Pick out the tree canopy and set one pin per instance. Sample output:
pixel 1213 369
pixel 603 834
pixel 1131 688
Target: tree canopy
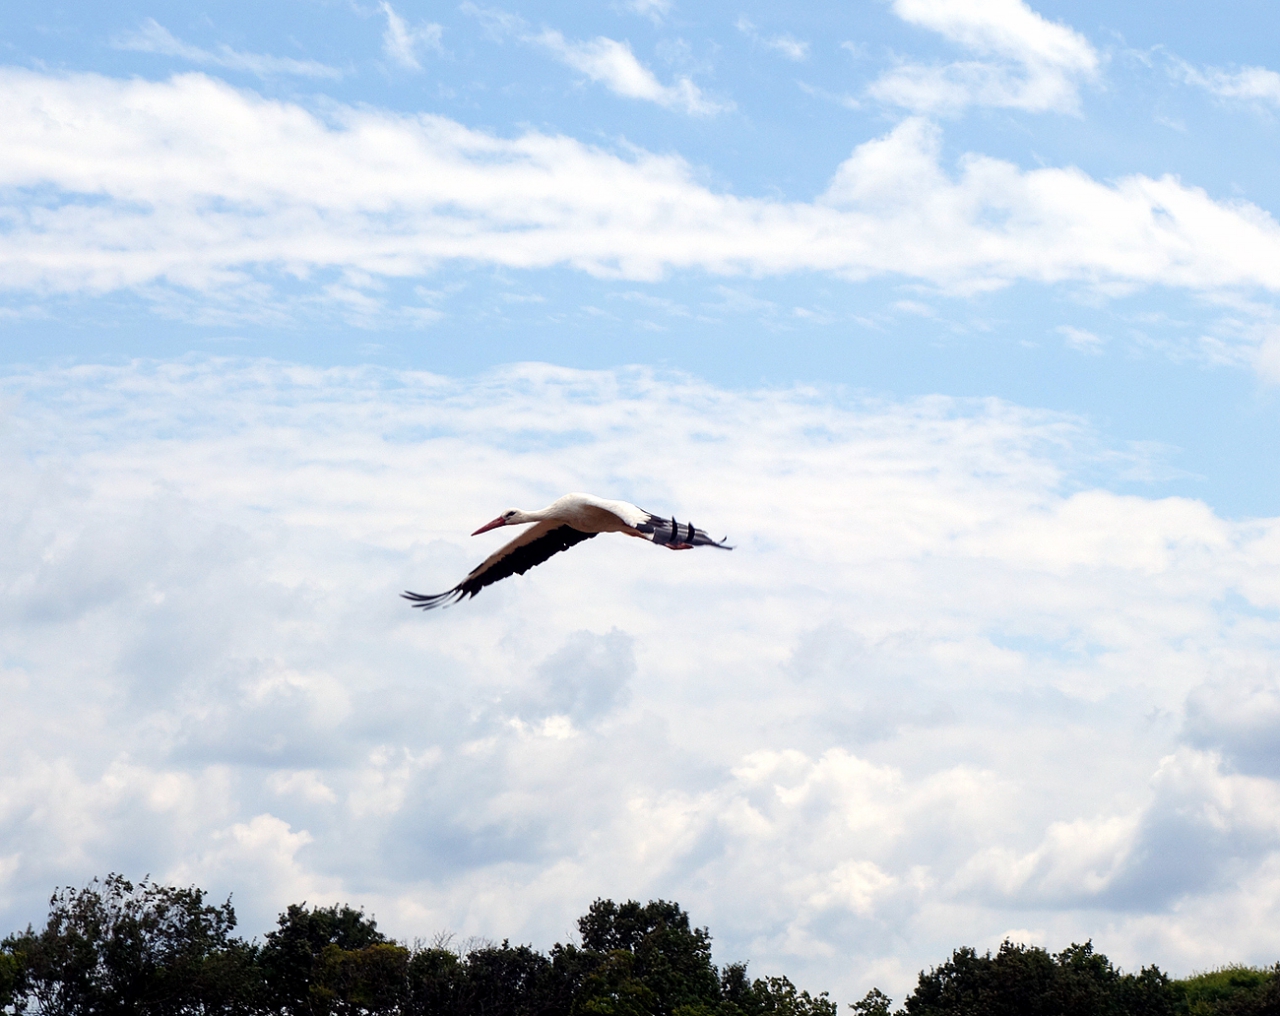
pixel 116 948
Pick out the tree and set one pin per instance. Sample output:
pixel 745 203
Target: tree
pixel 1028 981
pixel 114 947
pixel 874 1003
pixel 437 981
pixel 119 949
pixel 777 996
pixel 1231 991
pixel 650 956
pixel 509 980
pixel 332 961
pixel 9 971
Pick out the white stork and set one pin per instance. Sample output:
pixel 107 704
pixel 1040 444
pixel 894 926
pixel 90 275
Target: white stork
pixel 566 521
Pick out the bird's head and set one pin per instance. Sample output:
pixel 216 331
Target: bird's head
pixel 509 517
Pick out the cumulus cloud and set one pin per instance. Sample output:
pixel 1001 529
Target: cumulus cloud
pixel 940 689
pixel 1237 715
pixel 1027 62
pixel 152 37
pixel 401 41
pixel 584 679
pixel 159 187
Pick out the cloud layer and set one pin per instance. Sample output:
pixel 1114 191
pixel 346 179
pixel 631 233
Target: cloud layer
pixel 112 185
pixel 942 691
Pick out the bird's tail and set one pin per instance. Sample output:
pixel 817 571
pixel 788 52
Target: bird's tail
pixel 666 532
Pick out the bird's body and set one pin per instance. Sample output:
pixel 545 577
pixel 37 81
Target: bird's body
pixel 562 524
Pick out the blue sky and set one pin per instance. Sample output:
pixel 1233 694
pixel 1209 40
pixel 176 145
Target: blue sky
pixel 781 99
pixel 960 317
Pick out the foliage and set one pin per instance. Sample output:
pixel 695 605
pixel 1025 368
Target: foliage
pixel 332 961
pixel 115 948
pixel 1231 991
pixel 874 1003
pixel 651 960
pixel 1025 980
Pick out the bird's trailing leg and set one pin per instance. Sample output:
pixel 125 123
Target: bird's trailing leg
pixel 677 543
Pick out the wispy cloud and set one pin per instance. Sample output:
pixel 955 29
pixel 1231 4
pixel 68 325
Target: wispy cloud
pixel 655 10
pixel 139 190
pixel 1252 84
pixel 1027 63
pixel 605 61
pixel 152 37
pixel 1081 339
pixel 401 41
pixel 612 64
pixel 785 43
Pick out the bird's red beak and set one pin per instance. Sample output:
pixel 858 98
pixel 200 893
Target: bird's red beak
pixel 499 521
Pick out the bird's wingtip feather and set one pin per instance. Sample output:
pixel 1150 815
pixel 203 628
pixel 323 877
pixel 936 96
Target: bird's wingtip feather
pixel 426 602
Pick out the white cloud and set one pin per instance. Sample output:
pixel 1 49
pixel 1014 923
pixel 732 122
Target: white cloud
pixel 1081 339
pixel 159 187
pixel 1028 63
pixel 938 691
pixel 612 64
pixel 401 41
pixel 152 37
pixel 605 61
pixel 1248 83
pixel 654 10
pixel 1267 356
pixel 785 43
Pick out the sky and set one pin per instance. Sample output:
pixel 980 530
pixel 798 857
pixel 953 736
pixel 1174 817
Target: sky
pixel 958 318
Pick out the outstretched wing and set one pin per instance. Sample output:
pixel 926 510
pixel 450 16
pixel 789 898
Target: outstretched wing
pixel 530 548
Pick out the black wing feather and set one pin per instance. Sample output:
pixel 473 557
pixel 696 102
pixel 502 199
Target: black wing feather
pixel 667 531
pixel 517 562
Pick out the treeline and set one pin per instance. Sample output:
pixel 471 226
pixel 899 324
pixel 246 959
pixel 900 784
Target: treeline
pixel 137 950
pixel 119 949
pixel 1021 980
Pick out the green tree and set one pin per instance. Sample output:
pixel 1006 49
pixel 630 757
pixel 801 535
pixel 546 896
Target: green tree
pixel 1028 981
pixel 509 980
pixel 777 995
pixel 1230 991
pixel 437 982
pixel 650 956
pixel 116 948
pixel 9 972
pixel 332 961
pixel 874 1003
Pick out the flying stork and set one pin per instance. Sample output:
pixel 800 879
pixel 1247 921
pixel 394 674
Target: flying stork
pixel 562 524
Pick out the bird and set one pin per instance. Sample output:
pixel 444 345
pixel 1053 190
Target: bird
pixel 564 523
